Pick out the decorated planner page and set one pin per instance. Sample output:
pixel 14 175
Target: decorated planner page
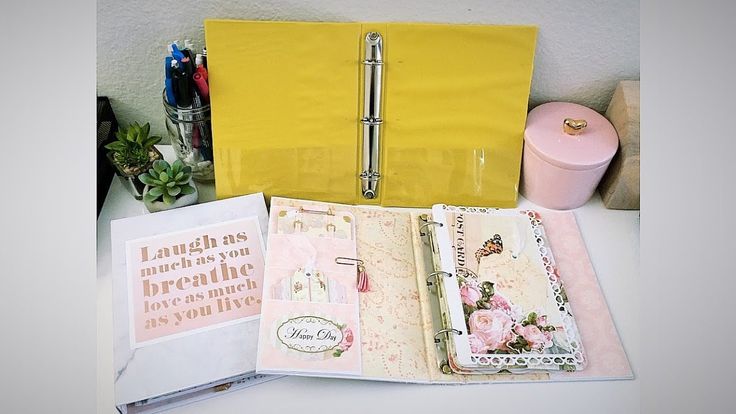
pixel 310 322
pixel 504 297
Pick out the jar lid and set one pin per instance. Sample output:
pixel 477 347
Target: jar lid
pixel 570 136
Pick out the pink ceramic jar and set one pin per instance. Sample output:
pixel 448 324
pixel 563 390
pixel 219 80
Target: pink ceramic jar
pixel 567 148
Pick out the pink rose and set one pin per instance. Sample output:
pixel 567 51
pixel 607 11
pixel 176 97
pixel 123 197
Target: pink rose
pixel 536 338
pixel 493 327
pixel 347 339
pixel 470 293
pixel 501 303
pixel 476 345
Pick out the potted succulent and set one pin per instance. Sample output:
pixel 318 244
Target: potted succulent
pixel 168 186
pixel 132 153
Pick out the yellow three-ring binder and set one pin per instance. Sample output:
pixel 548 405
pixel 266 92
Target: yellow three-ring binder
pixel 397 114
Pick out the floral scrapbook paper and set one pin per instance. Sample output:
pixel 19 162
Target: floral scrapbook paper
pixel 515 309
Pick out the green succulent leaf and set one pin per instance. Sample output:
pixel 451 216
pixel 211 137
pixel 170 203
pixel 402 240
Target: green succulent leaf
pixel 187 189
pixel 147 179
pixel 169 199
pixel 179 176
pixel 163 177
pixel 149 198
pixel 151 141
pixel 155 191
pixel 178 165
pixel 187 170
pixel 160 166
pixel 116 146
pixel 170 184
pixel 173 191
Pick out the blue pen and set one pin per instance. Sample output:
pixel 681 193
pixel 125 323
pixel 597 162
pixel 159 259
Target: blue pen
pixel 170 96
pixel 175 52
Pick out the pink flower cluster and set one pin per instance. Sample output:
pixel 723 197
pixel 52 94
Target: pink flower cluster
pixel 497 328
pixel 537 339
pixel 470 292
pixel 494 330
pixel 347 339
pixel 491 330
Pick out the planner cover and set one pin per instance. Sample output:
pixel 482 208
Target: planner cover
pixel 187 293
pixel 366 113
pixel 316 321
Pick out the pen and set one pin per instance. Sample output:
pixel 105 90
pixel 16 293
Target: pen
pixel 187 66
pixel 175 52
pixel 202 71
pixel 202 87
pixel 168 68
pixel 202 133
pixel 199 63
pixel 183 89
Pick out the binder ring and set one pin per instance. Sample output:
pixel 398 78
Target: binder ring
pixel 373 62
pixel 371 121
pixel 427 224
pixel 446 331
pixel 435 274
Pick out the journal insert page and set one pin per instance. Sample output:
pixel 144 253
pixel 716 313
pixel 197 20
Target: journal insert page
pixel 505 297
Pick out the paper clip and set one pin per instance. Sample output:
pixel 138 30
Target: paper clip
pixel 348 261
pixel 362 276
pixel 328 212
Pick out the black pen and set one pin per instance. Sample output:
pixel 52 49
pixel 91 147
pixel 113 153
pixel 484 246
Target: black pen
pixel 183 90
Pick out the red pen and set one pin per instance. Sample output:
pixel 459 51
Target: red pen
pixel 202 87
pixel 199 61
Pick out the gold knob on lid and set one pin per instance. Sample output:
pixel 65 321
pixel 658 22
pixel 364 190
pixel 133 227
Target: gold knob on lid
pixel 574 126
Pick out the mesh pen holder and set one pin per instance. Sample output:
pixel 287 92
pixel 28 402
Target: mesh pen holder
pixel 190 132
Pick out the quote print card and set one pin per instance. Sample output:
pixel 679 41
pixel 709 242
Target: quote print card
pixel 310 320
pixel 189 281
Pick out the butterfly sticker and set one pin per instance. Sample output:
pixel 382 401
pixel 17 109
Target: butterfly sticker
pixel 491 246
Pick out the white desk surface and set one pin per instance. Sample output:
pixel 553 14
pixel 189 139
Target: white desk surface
pixel 612 238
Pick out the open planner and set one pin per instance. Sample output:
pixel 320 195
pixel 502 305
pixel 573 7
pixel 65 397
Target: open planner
pixel 447 295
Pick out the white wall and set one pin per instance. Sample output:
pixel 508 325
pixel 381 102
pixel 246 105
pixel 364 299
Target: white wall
pixel 584 46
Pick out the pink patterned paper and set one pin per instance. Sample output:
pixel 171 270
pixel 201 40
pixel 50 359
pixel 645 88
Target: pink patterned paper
pixel 310 319
pixel 603 348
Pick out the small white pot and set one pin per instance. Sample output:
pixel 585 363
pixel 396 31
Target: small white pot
pixel 186 200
